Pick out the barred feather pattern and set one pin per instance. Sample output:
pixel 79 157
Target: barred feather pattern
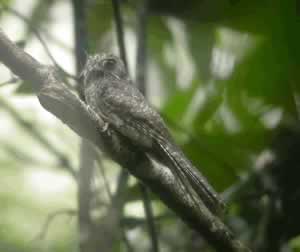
pixel 111 94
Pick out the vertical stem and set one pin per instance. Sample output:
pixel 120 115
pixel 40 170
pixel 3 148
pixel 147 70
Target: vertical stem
pixel 141 77
pixel 141 59
pixel 149 218
pixel 87 162
pixel 124 175
pixel 81 38
pixel 80 30
pixel 87 155
pixel 120 31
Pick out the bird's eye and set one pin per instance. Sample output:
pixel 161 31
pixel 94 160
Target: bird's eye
pixel 109 64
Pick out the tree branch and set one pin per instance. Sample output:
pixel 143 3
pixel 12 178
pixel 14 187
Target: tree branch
pixel 57 99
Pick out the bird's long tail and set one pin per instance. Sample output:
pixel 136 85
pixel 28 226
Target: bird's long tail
pixel 189 175
pixel 191 179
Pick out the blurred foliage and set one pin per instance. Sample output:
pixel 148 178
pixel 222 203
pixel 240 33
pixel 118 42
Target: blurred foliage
pixel 229 81
pixel 99 22
pixel 39 17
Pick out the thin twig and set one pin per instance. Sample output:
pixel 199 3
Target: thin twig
pixel 36 134
pixel 22 156
pixel 39 37
pixel 141 58
pixel 120 31
pixel 149 218
pixel 118 201
pixel 81 39
pixel 51 217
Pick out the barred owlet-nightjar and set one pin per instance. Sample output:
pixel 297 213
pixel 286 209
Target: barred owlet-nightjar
pixel 109 91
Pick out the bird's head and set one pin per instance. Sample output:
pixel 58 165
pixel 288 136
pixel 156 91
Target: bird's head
pixel 100 66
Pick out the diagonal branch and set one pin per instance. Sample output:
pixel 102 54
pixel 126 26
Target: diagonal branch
pixel 57 99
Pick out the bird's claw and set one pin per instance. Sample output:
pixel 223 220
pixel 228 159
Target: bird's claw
pixel 105 127
pixel 91 111
pixel 98 120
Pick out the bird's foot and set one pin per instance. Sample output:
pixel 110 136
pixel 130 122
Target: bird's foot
pixel 92 112
pixel 99 120
pixel 105 127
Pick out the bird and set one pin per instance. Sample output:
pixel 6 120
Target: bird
pixel 111 94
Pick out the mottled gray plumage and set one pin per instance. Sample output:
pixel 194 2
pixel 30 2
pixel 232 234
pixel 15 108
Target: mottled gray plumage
pixel 111 94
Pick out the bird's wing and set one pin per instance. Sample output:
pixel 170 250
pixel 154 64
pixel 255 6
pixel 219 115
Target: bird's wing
pixel 127 103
